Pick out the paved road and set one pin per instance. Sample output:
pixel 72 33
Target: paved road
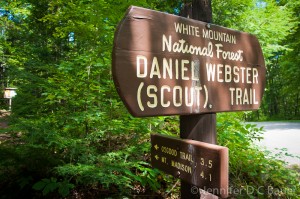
pixel 282 135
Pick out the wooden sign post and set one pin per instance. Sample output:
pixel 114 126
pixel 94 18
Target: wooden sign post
pixel 170 65
pixel 198 127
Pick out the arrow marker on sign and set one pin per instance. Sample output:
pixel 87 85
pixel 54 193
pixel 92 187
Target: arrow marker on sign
pixel 156 147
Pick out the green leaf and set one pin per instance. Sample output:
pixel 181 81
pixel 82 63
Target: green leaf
pixel 39 185
pixel 50 187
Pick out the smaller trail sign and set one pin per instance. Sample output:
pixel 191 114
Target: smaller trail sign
pixel 198 163
pixel 169 65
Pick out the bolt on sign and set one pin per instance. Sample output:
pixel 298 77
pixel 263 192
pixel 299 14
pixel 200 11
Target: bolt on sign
pixel 169 65
pixel 198 163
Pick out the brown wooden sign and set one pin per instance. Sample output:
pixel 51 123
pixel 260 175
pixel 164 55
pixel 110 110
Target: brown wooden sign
pixel 167 65
pixel 198 163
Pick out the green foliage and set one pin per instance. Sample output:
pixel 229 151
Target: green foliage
pixel 70 130
pixel 67 107
pixel 254 172
pixel 230 13
pixel 276 24
pixel 283 97
pixel 50 185
pixel 264 19
pixel 21 165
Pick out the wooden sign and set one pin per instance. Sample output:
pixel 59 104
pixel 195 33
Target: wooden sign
pixel 10 93
pixel 198 163
pixel 169 65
